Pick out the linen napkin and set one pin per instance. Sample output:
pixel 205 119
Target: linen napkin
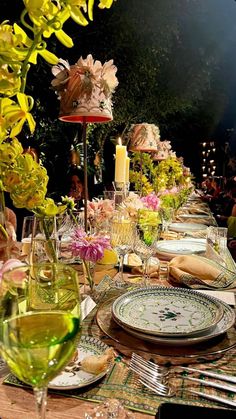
pixel 199 272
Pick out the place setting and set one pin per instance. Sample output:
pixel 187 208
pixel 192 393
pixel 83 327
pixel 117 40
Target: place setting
pixel 117 208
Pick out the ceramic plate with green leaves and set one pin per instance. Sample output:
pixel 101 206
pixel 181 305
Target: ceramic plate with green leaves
pixel 165 311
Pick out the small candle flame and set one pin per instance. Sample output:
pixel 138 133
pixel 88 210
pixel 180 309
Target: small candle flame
pixel 119 141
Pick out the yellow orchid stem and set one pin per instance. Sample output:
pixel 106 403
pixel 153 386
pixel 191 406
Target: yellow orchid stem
pixel 22 19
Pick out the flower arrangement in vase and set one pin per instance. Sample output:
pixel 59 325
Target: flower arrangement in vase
pixel 90 248
pixel 20 44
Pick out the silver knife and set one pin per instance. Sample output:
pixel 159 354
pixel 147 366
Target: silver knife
pixel 221 386
pixel 215 398
pixel 224 377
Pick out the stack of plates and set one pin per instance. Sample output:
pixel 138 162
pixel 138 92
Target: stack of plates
pixel 172 316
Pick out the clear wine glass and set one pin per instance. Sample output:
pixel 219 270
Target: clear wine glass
pixel 122 240
pixel 167 215
pixel 40 323
pixel 145 246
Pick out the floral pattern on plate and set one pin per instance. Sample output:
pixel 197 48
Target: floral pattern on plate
pixel 167 311
pixel 69 380
pixel 224 324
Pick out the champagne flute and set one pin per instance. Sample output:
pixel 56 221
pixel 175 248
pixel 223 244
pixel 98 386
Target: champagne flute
pixel 145 246
pixel 122 240
pixel 40 323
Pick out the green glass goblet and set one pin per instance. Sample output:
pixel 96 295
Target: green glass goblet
pixel 40 323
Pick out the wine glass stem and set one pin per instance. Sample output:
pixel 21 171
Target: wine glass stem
pixel 146 275
pixel 121 268
pixel 41 401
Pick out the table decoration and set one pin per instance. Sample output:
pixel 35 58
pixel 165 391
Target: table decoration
pixel 200 272
pixel 21 175
pixel 85 90
pixel 90 248
pixel 143 138
pixel 100 212
pixel 33 352
pixel 168 312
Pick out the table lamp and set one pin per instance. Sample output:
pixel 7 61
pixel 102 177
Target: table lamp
pixel 143 138
pixel 85 90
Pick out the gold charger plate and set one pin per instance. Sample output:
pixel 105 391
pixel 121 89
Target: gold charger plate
pixel 126 343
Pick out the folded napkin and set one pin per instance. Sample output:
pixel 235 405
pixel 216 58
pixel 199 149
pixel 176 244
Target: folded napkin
pixel 199 272
pixel 196 210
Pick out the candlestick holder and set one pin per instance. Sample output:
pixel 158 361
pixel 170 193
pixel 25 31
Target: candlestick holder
pixel 120 192
pixel 127 186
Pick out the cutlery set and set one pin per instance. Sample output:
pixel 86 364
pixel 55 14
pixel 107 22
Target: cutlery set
pixel 156 379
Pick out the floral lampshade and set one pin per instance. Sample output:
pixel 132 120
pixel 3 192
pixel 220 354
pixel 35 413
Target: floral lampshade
pixel 164 151
pixel 85 90
pixel 144 137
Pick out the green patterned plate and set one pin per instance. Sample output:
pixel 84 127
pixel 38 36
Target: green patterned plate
pixel 169 312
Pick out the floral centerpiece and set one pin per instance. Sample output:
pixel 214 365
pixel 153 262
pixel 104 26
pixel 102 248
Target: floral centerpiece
pixel 90 248
pixel 100 213
pixel 144 209
pixel 20 44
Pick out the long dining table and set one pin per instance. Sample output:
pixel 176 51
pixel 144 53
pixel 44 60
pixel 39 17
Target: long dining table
pixel 17 402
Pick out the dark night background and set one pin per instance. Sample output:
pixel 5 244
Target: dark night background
pixel 176 68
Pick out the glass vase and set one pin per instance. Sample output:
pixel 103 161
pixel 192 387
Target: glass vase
pixel 4 239
pixel 88 274
pixel 44 244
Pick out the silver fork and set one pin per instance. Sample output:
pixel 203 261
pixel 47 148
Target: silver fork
pixel 155 378
pixel 169 391
pixel 146 368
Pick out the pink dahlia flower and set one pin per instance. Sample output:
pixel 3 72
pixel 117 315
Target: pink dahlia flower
pixel 88 247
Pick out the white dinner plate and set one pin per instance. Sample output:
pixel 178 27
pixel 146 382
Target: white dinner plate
pixel 181 247
pixel 69 380
pixel 224 324
pixel 183 227
pixel 193 216
pixel 168 312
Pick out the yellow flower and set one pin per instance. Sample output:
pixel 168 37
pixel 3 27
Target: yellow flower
pixel 40 49
pixel 17 115
pixel 49 208
pixel 10 81
pixel 10 149
pixel 11 46
pixel 105 4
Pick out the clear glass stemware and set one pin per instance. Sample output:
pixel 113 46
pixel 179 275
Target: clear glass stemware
pixel 40 323
pixel 145 246
pixel 122 240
